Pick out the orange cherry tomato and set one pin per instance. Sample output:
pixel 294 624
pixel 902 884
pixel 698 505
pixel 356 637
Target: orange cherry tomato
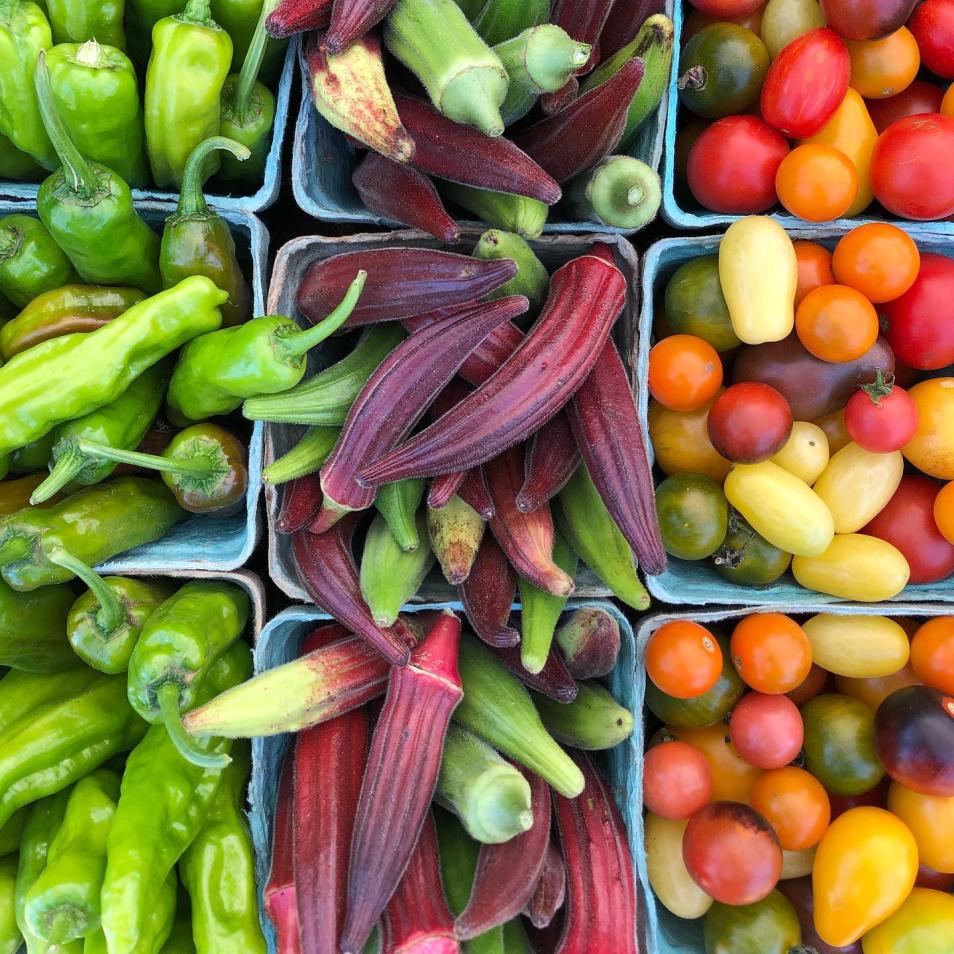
pixel 795 804
pixel 835 430
pixel 771 652
pixel 681 442
pixel 875 690
pixel 814 268
pixel 732 777
pixel 885 67
pixel 836 323
pixel 932 653
pixel 816 182
pixel 879 260
pixel 684 372
pixel 683 659
pixel 947 104
pixel 944 511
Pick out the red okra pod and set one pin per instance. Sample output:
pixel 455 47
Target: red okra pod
pixel 473 490
pixel 623 23
pixel 550 892
pixel 488 593
pixel 445 486
pixel 281 904
pixel 552 457
pixel 296 16
pixel 553 681
pixel 583 19
pixel 301 501
pixel 351 19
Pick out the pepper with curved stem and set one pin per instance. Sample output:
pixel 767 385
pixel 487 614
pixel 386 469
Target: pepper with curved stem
pixel 169 698
pixel 110 612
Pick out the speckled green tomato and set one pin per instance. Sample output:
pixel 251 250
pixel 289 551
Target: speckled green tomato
pixel 840 744
pixel 746 557
pixel 695 304
pixel 721 70
pixel 693 515
pixel 769 926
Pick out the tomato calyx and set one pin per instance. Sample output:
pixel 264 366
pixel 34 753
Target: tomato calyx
pixel 881 387
pixel 695 78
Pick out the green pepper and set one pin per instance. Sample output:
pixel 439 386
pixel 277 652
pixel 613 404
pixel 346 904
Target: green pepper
pixel 95 369
pixel 216 372
pixel 218 869
pixel 104 624
pixel 12 832
pixel 198 241
pixel 65 311
pixel 7 309
pixel 97 96
pixel 24 33
pixel 33 629
pixel 141 17
pixel 180 940
pixel 33 456
pixel 89 211
pixel 10 939
pixel 23 693
pixel 63 903
pixel 18 165
pixel 31 262
pixel 76 21
pixel 162 807
pixel 39 547
pixel 190 59
pixel 15 494
pixel 240 18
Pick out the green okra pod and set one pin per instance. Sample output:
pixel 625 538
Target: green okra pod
pixel 398 503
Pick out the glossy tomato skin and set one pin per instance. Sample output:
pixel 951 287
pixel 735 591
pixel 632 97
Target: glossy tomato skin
pixel 769 926
pixel 795 804
pixel 749 423
pixel 866 19
pixel 799 892
pixel 933 27
pixel 732 165
pixel 696 306
pixel 766 730
pixel 931 820
pixel 931 449
pixel 746 557
pixel 937 880
pixel 924 924
pixel 806 83
pixel 726 9
pixel 920 97
pixel 840 744
pixel 683 659
pixel 693 515
pixel 814 684
pixel 932 653
pixel 733 779
pixel 881 423
pixel 771 652
pixel 677 780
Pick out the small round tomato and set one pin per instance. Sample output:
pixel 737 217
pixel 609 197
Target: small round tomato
pixel 805 453
pixel 881 417
pixel 771 652
pixel 836 323
pixel 732 777
pixel 746 558
pixel 814 267
pixel 932 447
pixel 932 24
pixel 693 515
pixel 920 331
pixel 795 804
pixel 947 104
pixel 920 97
pixel 944 511
pixel 684 372
pixel 677 780
pixel 879 260
pixel 816 682
pixel 931 820
pixel 932 653
pixel 769 926
pixel 683 659
pixel 885 67
pixel 732 165
pixel 816 182
pixel 695 304
pixel 681 442
pixel 749 422
pixel 697 20
pixel 766 730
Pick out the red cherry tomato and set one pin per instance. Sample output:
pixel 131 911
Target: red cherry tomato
pixel 749 422
pixel 726 9
pixel 767 731
pixel 806 83
pixel 907 522
pixel 920 97
pixel 732 165
pixel 677 780
pixel 881 418
pixel 932 24
pixel 912 167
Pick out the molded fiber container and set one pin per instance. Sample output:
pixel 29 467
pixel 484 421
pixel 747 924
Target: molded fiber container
pixel 279 643
pixel 293 260
pixel 666 933
pixel 322 163
pixel 696 582
pixel 264 196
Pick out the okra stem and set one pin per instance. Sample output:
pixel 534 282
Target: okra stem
pixel 252 63
pixel 191 197
pixel 110 613
pixel 168 696
pixel 301 342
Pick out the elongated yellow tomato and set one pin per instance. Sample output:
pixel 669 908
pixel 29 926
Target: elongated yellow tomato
pixel 931 820
pixel 787 20
pixel 797 864
pixel 758 272
pixel 784 509
pixel 855 567
pixel 852 131
pixel 857 485
pixel 864 869
pixel 805 453
pixel 858 646
pixel 924 924
pixel 668 875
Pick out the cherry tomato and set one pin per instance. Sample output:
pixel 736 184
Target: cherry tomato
pixel 885 67
pixel 929 878
pixel 814 267
pixel 771 652
pixel 835 430
pixel 879 260
pixel 881 419
pixel 766 730
pixel 947 104
pixel 932 448
pixel 749 422
pixel 931 820
pixel 944 511
pixel 799 892
pixel 681 442
pixel 875 798
pixel 732 777
pixel 732 165
pixel 875 689
pixel 684 372
pixel 677 780
pixel 912 167
pixel 806 83
pixel 769 926
pixel 697 20
pixel 683 659
pixel 795 804
pixel 932 654
pixel 727 9
pixel 866 19
pixel 816 182
pixel 817 681
pixel 920 97
pixel 836 323
pixel 932 24
pixel 924 924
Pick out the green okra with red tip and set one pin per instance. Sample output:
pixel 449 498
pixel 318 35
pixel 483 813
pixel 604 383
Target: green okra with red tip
pixel 552 457
pixel 488 593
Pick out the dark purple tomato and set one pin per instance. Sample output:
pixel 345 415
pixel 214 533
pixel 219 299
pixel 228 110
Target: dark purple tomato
pixel 875 797
pixel 749 422
pixel 938 880
pixel 866 19
pixel 799 892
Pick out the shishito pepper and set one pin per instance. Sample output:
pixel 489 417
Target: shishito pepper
pixel 198 241
pixel 266 355
pixel 141 17
pixel 33 456
pixel 15 494
pixel 12 832
pixel 10 939
pixel 23 693
pixel 33 629
pixel 239 18
pixel 18 165
pixel 218 869
pixel 31 262
pixel 190 60
pixel 76 21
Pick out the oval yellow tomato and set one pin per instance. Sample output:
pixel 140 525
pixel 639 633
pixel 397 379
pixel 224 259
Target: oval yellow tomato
pixel 787 20
pixel 872 692
pixel 732 777
pixel 924 924
pixel 805 453
pixel 864 869
pixel 857 485
pixel 931 820
pixel 668 876
pixel 932 447
pixel 681 442
pixel 858 646
pixel 855 567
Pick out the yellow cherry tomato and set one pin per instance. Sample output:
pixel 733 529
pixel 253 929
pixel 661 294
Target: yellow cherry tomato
pixel 855 567
pixel 861 647
pixel 805 453
pixel 668 876
pixel 873 691
pixel 931 820
pixel 732 777
pixel 924 924
pixel 681 442
pixel 864 870
pixel 932 448
pixel 885 67
pixel 857 485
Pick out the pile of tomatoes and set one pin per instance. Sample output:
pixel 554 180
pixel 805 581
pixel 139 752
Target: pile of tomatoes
pixel 801 788
pixel 801 412
pixel 823 119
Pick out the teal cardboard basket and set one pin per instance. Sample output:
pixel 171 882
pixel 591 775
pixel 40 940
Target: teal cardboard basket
pixel 279 643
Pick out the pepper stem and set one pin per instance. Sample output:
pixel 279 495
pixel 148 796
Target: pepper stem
pixel 110 613
pixel 191 197
pixel 67 466
pixel 252 62
pixel 168 465
pixel 90 54
pixel 198 11
pixel 301 342
pixel 169 696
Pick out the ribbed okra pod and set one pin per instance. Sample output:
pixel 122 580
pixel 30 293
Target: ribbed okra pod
pixel 455 532
pixel 488 593
pixel 552 457
pixel 550 891
pixel 280 896
pixel 594 720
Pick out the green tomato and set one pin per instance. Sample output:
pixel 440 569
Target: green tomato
pixel 747 558
pixel 696 306
pixel 769 926
pixel 693 515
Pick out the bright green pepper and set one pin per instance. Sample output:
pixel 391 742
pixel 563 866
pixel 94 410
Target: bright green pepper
pixel 31 262
pixel 33 456
pixel 12 832
pixel 96 368
pixel 24 32
pixel 239 18
pixel 141 17
pixel 23 693
pixel 76 21
pixel 10 939
pixel 63 903
pixel 33 629
pixel 18 165
pixel 162 807
pixel 216 372
pixel 190 59
pixel 218 870
pixel 198 241
pixel 180 940
pixel 97 96
pixel 39 547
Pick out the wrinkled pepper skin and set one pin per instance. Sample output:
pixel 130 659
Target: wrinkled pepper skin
pixel 31 262
pixel 76 21
pixel 33 629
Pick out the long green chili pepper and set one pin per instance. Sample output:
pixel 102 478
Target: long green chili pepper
pixel 198 241
pixel 23 693
pixel 180 940
pixel 31 262
pixel 10 938
pixel 12 832
pixel 266 355
pixel 76 21
pixel 306 457
pixel 33 629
